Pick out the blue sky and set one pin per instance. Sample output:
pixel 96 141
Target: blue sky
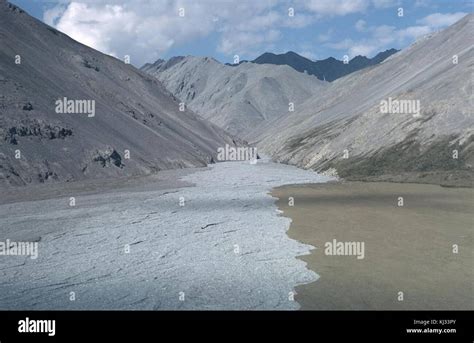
pixel 151 29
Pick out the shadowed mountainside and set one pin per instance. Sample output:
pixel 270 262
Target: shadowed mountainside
pixel 133 112
pixel 328 69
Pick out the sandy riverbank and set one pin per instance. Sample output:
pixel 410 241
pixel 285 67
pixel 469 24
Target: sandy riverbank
pixel 408 249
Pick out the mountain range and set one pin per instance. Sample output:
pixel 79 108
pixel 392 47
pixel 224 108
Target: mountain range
pixel 347 130
pixel 238 99
pixel 178 113
pixel 339 127
pixel 328 69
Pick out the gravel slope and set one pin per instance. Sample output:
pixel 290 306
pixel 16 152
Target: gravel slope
pixel 240 98
pixel 347 116
pixel 134 112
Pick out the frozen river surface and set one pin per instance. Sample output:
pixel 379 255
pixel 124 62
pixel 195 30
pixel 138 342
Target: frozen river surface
pixel 219 244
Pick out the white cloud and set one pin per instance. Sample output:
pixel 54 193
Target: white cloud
pixel 299 20
pixel 385 3
pixel 129 29
pixel 336 7
pixel 147 29
pixel 423 3
pixel 242 36
pixel 437 20
pixel 244 42
pixel 413 32
pixel 362 50
pixel 383 37
pixel 360 25
pixel 325 37
pixel 51 16
pixel 344 44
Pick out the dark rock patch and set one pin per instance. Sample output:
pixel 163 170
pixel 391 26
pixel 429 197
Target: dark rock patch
pixel 36 128
pixel 28 107
pixel 109 157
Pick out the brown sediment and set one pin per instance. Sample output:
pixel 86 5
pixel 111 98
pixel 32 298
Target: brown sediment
pixel 408 248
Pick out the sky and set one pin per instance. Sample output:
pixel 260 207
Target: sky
pixel 147 30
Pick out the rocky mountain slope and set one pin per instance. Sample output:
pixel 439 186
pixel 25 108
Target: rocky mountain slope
pixel 238 99
pixel 345 129
pixel 136 127
pixel 328 69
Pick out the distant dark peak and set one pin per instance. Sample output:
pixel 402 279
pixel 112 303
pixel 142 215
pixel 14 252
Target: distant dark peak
pixel 359 58
pixel 267 54
pixel 360 62
pixel 328 69
pixel 383 55
pixel 392 51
